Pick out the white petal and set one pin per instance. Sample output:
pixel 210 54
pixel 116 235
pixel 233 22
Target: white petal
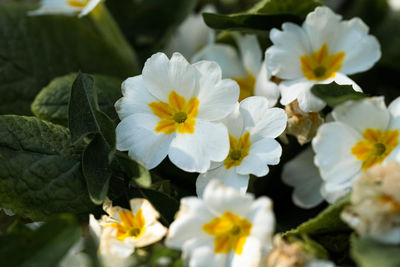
pixel 226 57
pixel 136 98
pixel 332 195
pixel 217 97
pixel 261 121
pixel 250 256
pixel 154 233
pixel 308 102
pixel 250 52
pixel 161 76
pixel 394 109
pixel 204 256
pixel 360 115
pixel 332 145
pixel 149 212
pixel 228 177
pixel 111 246
pixel 303 175
pixel 262 218
pixel 193 152
pixel 94 228
pixel 89 7
pixel 221 199
pixel 191 217
pixel 234 123
pixel 54 7
pixel 283 58
pixel 262 152
pixel 291 90
pixel 362 50
pixel 137 135
pixel 321 27
pixel 344 80
pixel 264 87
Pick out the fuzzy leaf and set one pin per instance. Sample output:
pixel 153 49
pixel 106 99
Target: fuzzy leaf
pixel 36 49
pixel 44 247
pixel 52 102
pixel 40 174
pixel 369 253
pixel 334 94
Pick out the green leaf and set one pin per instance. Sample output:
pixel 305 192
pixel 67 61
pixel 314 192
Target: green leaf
pixel 137 173
pixel 334 94
pixel 36 49
pixel 40 173
pixel 369 253
pixel 328 221
pixel 52 102
pixel 44 247
pixel 265 15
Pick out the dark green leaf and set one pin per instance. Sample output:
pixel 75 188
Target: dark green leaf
pixel 35 50
pixel 369 253
pixel 264 16
pixel 52 102
pixel 328 221
pixel 40 174
pixel 334 94
pixel 44 247
pixel 96 169
pixel 137 172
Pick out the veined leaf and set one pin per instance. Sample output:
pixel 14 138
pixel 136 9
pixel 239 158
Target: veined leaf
pixel 334 94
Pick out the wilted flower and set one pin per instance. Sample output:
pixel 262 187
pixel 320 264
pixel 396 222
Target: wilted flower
pixel 323 50
pixel 252 128
pixel 174 109
pixel 123 230
pixel 66 7
pixel 375 204
pixel 225 228
pixel 364 133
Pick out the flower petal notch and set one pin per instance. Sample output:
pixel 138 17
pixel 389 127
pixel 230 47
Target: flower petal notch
pixel 324 49
pixel 224 228
pixel 65 7
pixel 170 110
pixel 252 129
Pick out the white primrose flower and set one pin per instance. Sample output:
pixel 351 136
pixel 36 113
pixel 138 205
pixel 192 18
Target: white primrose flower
pixel 224 228
pixel 123 230
pixel 309 188
pixel 246 66
pixel 174 109
pixel 364 133
pixel 66 7
pixel 192 35
pixel 323 50
pixel 252 128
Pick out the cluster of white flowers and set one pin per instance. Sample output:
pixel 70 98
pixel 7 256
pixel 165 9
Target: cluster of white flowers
pixel 215 115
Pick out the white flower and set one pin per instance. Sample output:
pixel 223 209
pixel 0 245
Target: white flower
pixel 192 35
pixel 66 7
pixel 363 134
pixel 245 67
pixel 225 228
pixel 252 128
pixel 323 50
pixel 375 204
pixel 8 212
pixel 394 5
pixel 123 230
pixel 173 109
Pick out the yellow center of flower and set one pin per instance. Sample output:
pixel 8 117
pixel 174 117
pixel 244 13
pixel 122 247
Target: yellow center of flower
pixel 176 115
pixel 246 85
pixel 375 147
pixel 77 3
pixel 230 232
pixel 239 149
pixel 131 225
pixel 320 65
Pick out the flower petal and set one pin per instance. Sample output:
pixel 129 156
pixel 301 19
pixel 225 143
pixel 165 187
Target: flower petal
pixel 149 212
pixel 250 256
pixel 137 135
pixel 264 87
pixel 193 152
pixel 217 97
pixel 262 218
pixel 161 76
pixel 89 7
pixel 291 90
pixel 153 233
pixel 250 52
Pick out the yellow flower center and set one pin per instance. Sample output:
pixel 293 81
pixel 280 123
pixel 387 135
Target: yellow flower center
pixel 131 225
pixel 77 3
pixel 239 149
pixel 246 85
pixel 176 115
pixel 320 65
pixel 230 232
pixel 375 147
